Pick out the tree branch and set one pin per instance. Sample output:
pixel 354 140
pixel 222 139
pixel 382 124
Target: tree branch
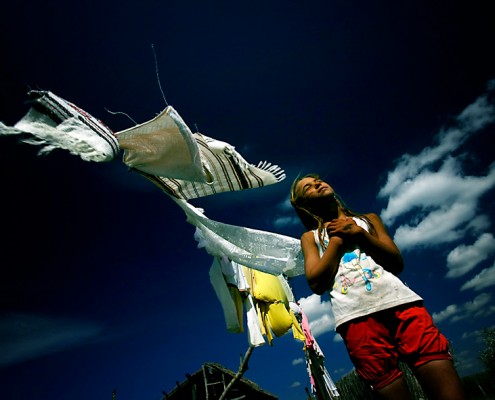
pixel 242 368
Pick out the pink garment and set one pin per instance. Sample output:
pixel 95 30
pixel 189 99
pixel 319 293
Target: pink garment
pixel 322 385
pixel 307 332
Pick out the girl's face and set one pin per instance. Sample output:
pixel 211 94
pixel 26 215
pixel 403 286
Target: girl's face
pixel 310 188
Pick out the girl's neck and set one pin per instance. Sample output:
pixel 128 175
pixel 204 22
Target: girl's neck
pixel 341 214
pixel 327 209
pixel 333 214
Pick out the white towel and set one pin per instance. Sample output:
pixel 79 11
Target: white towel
pixel 268 252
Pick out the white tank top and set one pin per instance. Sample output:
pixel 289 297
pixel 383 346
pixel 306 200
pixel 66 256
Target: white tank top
pixel 361 286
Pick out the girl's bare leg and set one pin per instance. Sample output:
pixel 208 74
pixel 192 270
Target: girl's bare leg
pixel 440 380
pixel 396 390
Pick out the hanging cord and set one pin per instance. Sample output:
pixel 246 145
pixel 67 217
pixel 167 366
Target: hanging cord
pixel 121 113
pixel 159 85
pixel 158 75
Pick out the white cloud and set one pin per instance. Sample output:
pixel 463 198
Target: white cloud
pixel 480 307
pixel 27 336
pixel 464 258
pixel 298 361
pixel 284 221
pixel 285 205
pixel 479 223
pixel 478 114
pixel 285 215
pixel 430 190
pixel 342 371
pixel 473 118
pixel 319 314
pixel 437 227
pixel 481 281
pixel 468 360
pixel 446 203
pixel 449 312
pixel 295 384
pixel 473 335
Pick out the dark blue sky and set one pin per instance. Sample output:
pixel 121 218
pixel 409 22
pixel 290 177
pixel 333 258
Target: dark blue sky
pixel 102 284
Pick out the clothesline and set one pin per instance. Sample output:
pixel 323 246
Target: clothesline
pixel 186 165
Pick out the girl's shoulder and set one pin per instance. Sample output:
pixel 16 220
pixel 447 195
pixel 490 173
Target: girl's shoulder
pixel 307 235
pixel 373 218
pixel 309 238
pixel 371 215
pixel 368 221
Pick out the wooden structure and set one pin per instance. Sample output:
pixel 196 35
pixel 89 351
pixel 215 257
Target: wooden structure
pixel 209 383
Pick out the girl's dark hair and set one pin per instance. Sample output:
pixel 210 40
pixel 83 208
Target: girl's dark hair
pixel 312 221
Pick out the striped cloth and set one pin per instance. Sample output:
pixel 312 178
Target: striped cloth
pixel 189 165
pixel 164 149
pixel 54 123
pixel 229 172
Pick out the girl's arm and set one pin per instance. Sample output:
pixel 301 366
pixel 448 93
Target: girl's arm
pixel 379 246
pixel 320 272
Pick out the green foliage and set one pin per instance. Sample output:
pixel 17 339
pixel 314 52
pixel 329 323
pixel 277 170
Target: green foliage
pixel 480 386
pixel 487 355
pixel 352 387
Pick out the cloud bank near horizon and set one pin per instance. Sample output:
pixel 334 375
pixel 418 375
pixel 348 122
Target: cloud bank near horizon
pixel 28 336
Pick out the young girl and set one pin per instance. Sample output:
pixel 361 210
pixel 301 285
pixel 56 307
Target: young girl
pixel 380 319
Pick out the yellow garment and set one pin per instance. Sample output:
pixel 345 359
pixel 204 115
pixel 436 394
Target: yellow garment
pixel 267 287
pixel 297 330
pixel 272 305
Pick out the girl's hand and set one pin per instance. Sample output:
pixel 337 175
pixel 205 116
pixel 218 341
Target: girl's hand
pixel 343 227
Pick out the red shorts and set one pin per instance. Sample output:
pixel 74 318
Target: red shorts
pixel 378 341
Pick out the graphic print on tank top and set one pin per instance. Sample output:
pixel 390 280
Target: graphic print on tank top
pixel 355 267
